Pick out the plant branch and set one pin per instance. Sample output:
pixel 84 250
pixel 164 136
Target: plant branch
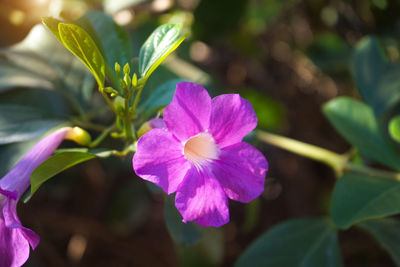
pixel 102 136
pixel 110 104
pixel 339 163
pixel 332 159
pixel 366 170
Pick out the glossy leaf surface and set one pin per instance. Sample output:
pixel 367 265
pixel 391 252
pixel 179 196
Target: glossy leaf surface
pixel 298 242
pixel 356 122
pixel 357 197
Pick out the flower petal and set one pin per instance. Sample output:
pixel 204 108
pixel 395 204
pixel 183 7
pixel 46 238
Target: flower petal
pixel 232 117
pixel 157 123
pixel 200 198
pixel 189 112
pixel 241 170
pixel 159 159
pixel 14 238
pixel 18 178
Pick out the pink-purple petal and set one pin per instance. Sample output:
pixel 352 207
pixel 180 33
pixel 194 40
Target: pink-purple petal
pixel 18 178
pixel 241 170
pixel 157 123
pixel 12 221
pixel 159 159
pixel 200 198
pixel 14 238
pixel 189 112
pixel 232 118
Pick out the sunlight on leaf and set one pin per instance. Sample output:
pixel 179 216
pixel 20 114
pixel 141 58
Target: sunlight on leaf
pixel 82 45
pixel 394 128
pixel 111 39
pixel 162 42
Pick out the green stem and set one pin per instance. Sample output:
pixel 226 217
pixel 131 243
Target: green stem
pixel 102 136
pixel 362 169
pixel 339 163
pixel 136 101
pixel 332 159
pixel 127 120
pixel 110 104
pixel 126 151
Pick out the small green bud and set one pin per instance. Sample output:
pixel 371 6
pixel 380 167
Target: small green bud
pixel 117 69
pixel 121 111
pixel 115 135
pixel 110 90
pixel 146 127
pixel 119 104
pixel 134 80
pixel 127 69
pixel 121 82
pixel 127 81
pixel 79 135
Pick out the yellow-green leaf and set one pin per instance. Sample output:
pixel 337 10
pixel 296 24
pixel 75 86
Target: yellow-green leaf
pixel 79 42
pixel 162 42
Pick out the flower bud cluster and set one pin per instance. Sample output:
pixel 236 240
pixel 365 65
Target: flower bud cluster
pixel 127 82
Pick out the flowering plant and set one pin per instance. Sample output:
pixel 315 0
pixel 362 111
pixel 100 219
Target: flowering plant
pixel 198 148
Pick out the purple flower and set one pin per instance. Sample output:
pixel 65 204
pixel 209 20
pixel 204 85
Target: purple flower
pixel 14 238
pixel 200 154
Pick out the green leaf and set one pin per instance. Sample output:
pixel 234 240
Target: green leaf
pixel 297 242
pixel 160 97
pixel 52 25
pixel 15 76
pixel 79 42
pixel 387 232
pixel 21 123
pixel 111 39
pixel 41 62
pixel 185 234
pixel 377 79
pixel 98 152
pixel 357 123
pixel 54 165
pixel 394 128
pixel 162 42
pixel 357 197
pixel 49 102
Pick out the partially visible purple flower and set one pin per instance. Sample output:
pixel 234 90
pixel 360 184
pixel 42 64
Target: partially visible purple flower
pixel 15 239
pixel 149 125
pixel 157 123
pixel 200 154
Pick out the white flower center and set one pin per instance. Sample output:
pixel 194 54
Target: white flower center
pixel 200 149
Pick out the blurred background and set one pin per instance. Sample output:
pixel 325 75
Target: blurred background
pixel 287 57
